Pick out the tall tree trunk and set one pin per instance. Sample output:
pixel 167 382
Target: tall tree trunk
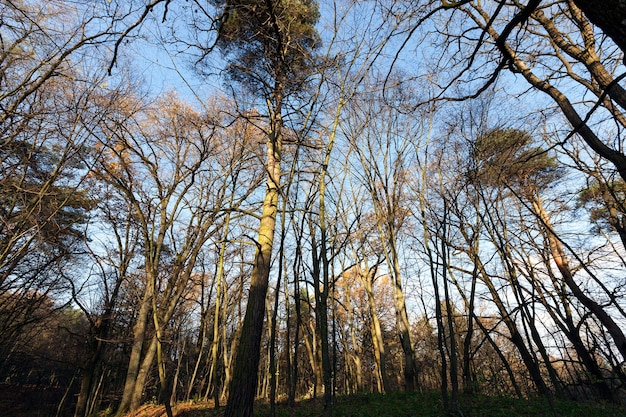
pixel 273 322
pixel 320 284
pixel 353 354
pixel 288 353
pixel 454 405
pixel 200 355
pixel 311 342
pixel 228 357
pixel 213 374
pixel 164 392
pixel 433 266
pixel 291 400
pixel 469 381
pixel 404 327
pixel 382 381
pixel 244 379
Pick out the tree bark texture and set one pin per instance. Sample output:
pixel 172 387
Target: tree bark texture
pixel 608 15
pixel 244 379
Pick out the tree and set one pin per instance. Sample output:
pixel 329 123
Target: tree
pixel 560 55
pixel 508 158
pixel 380 136
pixel 269 50
pixel 604 199
pixel 113 267
pixel 43 100
pixel 44 354
pixel 609 16
pixel 158 160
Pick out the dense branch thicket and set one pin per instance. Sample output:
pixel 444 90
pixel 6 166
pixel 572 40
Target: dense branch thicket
pixel 352 212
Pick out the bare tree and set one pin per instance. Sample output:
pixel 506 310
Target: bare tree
pixel 159 165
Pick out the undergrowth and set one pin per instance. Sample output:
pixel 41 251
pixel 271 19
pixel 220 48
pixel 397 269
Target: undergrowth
pixel 407 405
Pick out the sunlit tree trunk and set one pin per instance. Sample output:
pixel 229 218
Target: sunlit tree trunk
pixel 382 381
pixel 164 393
pixel 562 263
pixel 311 343
pixel 244 379
pixel 402 319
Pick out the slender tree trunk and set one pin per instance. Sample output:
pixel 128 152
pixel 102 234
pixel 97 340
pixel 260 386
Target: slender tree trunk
pixel 288 353
pixel 454 367
pixel 439 320
pixel 321 320
pixel 387 230
pixel 164 393
pixel 404 327
pixel 85 389
pixel 174 382
pixel 529 322
pixel 213 374
pixel 565 321
pixel 382 380
pixel 469 382
pixel 433 267
pixel 200 350
pixel 93 400
pixel 296 344
pixel 100 333
pixel 313 352
pixel 272 351
pixel 353 354
pixel 228 357
pixel 503 359
pixel 562 263
pixel 472 318
pixel 173 292
pixel 516 338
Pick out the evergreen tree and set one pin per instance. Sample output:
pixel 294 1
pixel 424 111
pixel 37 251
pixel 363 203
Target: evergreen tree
pixel 270 47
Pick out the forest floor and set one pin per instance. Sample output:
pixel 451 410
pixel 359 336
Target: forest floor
pixel 406 405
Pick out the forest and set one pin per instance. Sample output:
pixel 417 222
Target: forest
pixel 248 203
